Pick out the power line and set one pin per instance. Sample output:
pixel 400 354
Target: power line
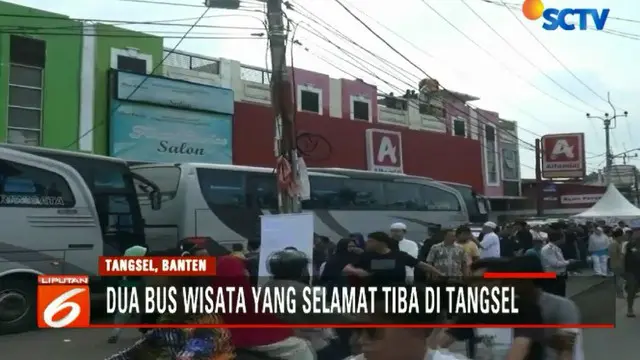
pixel 332 64
pixel 134 36
pixel 487 52
pixel 331 29
pixel 565 67
pixel 403 56
pixel 144 79
pixel 453 95
pixel 171 22
pixel 163 3
pixel 434 57
pixel 398 68
pixel 525 58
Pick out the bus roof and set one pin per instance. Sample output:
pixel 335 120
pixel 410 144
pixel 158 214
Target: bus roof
pixel 43 151
pixel 367 174
pixel 451 183
pixel 255 169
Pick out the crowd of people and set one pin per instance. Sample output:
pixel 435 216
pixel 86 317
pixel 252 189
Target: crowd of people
pixel 388 258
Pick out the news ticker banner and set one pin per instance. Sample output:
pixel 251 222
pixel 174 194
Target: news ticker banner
pixel 64 301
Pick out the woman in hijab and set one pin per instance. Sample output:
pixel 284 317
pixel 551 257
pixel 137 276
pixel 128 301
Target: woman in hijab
pixel 358 238
pixel 347 252
pixel 127 281
pixel 273 343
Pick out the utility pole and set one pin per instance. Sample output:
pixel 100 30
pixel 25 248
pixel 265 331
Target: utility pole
pixel 285 135
pixel 609 124
pixel 539 184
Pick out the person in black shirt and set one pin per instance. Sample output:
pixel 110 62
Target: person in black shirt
pixel 523 236
pixel 383 266
pixel 632 269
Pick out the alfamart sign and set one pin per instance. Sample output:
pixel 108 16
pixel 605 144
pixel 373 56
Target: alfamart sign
pixel 384 150
pixel 563 156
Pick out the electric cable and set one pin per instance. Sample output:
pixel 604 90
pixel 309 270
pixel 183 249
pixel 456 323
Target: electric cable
pixel 424 52
pixel 147 76
pixel 408 60
pixel 330 63
pixel 491 55
pixel 170 22
pixel 400 70
pixel 546 48
pixel 409 104
pixel 531 63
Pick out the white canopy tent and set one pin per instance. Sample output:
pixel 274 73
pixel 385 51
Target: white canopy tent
pixel 611 205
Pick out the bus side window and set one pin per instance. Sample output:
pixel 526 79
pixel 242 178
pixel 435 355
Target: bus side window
pixel 403 196
pixel 223 187
pixel 27 186
pixel 263 191
pixel 361 194
pixel 436 199
pixel 325 193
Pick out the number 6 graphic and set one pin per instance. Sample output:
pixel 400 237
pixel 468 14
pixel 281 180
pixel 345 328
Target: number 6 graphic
pixel 59 304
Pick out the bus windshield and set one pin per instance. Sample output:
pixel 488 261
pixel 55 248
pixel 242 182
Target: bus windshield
pixel 476 206
pixel 112 187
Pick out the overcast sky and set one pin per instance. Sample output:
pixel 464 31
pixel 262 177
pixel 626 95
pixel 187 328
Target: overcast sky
pixel 529 84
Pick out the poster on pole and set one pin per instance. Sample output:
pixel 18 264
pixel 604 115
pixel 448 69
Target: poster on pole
pixel 281 231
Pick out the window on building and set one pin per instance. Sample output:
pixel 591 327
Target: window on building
pixel 361 109
pixel 134 65
pixel 131 60
pixel 310 100
pixel 459 127
pixel 27 186
pixel 491 151
pixel 27 59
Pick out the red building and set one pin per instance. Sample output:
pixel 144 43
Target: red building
pixel 433 133
pixel 424 153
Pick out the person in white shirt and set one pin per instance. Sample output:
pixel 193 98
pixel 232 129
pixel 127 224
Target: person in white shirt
pixel 398 231
pixel 599 250
pixel 553 261
pixel 490 244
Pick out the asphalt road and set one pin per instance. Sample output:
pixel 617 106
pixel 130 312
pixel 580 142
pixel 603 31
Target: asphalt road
pixel 91 344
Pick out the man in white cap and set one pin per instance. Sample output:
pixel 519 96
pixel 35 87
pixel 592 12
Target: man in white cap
pixel 398 231
pixel 490 244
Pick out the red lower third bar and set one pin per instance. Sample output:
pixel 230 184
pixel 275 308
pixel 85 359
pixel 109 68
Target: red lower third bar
pixel 355 326
pixel 520 275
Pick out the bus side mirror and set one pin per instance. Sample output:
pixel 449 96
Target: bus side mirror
pixel 156 200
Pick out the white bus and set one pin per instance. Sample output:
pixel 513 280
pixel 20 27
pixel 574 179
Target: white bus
pixel 224 203
pixel 477 206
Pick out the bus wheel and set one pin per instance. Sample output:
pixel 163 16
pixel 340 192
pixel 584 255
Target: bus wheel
pixel 17 303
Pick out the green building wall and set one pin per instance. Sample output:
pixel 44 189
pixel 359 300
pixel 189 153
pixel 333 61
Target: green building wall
pixel 62 76
pixel 110 37
pixel 61 86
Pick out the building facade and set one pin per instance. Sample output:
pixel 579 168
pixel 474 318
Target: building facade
pixel 39 77
pixel 109 91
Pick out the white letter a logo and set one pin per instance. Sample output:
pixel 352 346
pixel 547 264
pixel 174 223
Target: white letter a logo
pixel 387 149
pixel 562 147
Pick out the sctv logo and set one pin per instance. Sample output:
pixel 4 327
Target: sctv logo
pixel 566 19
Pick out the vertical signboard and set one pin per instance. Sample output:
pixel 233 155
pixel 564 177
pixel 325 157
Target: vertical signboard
pixel 563 156
pixel 510 162
pixel 384 150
